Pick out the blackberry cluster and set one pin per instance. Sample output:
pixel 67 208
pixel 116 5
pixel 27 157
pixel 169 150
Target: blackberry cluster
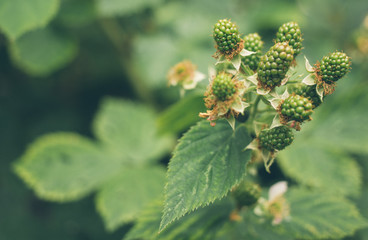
pixel 247 194
pixel 290 32
pixel 274 65
pixel 253 42
pixel 297 108
pixel 333 67
pixel 223 86
pixel 226 35
pixel 308 92
pixel 276 138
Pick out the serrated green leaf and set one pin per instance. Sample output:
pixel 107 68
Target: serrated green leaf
pixel 128 130
pixel 122 199
pixel 316 215
pixel 20 16
pixel 181 115
pixel 64 167
pixel 318 167
pixel 203 224
pixel 42 51
pixel 207 163
pixel 111 8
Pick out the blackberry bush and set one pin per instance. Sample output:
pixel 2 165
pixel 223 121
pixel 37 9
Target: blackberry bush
pixel 227 38
pixel 296 108
pixel 333 67
pixel 290 32
pixel 253 42
pixel 274 65
pixel 308 91
pixel 276 138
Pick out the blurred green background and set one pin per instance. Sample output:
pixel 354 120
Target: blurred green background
pixel 53 78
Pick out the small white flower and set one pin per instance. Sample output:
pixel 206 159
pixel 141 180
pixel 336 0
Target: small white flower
pixel 185 74
pixel 276 204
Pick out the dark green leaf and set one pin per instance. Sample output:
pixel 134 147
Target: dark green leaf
pixel 207 163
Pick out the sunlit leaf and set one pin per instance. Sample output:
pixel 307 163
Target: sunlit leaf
pixel 20 16
pixel 64 167
pixel 122 198
pixel 128 130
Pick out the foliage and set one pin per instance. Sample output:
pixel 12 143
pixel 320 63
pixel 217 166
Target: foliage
pixel 59 58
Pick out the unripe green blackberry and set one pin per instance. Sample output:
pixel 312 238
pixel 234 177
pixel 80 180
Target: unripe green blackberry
pixel 276 138
pixel 297 108
pixel 253 42
pixel 226 35
pixel 333 67
pixel 247 194
pixel 308 92
pixel 274 65
pixel 223 86
pixel 290 32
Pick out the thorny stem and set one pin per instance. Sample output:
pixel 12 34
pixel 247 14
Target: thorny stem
pixel 120 40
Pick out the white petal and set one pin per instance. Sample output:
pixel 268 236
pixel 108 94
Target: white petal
pixel 285 94
pixel 221 60
pixel 277 190
pixel 262 91
pixel 246 52
pixel 308 67
pixel 276 121
pixel 309 80
pixel 267 160
pixel 320 92
pixel 211 73
pixel 231 122
pixel 242 90
pixel 258 127
pixel 285 80
pixel 239 106
pixel 189 85
pixel 236 61
pixel 253 79
pixel 275 102
pixel 233 72
pixel 198 76
pixel 253 145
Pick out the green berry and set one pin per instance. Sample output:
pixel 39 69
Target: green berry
pixel 290 32
pixel 308 92
pixel 297 108
pixel 247 194
pixel 333 67
pixel 253 42
pixel 223 86
pixel 226 35
pixel 276 138
pixel 274 65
